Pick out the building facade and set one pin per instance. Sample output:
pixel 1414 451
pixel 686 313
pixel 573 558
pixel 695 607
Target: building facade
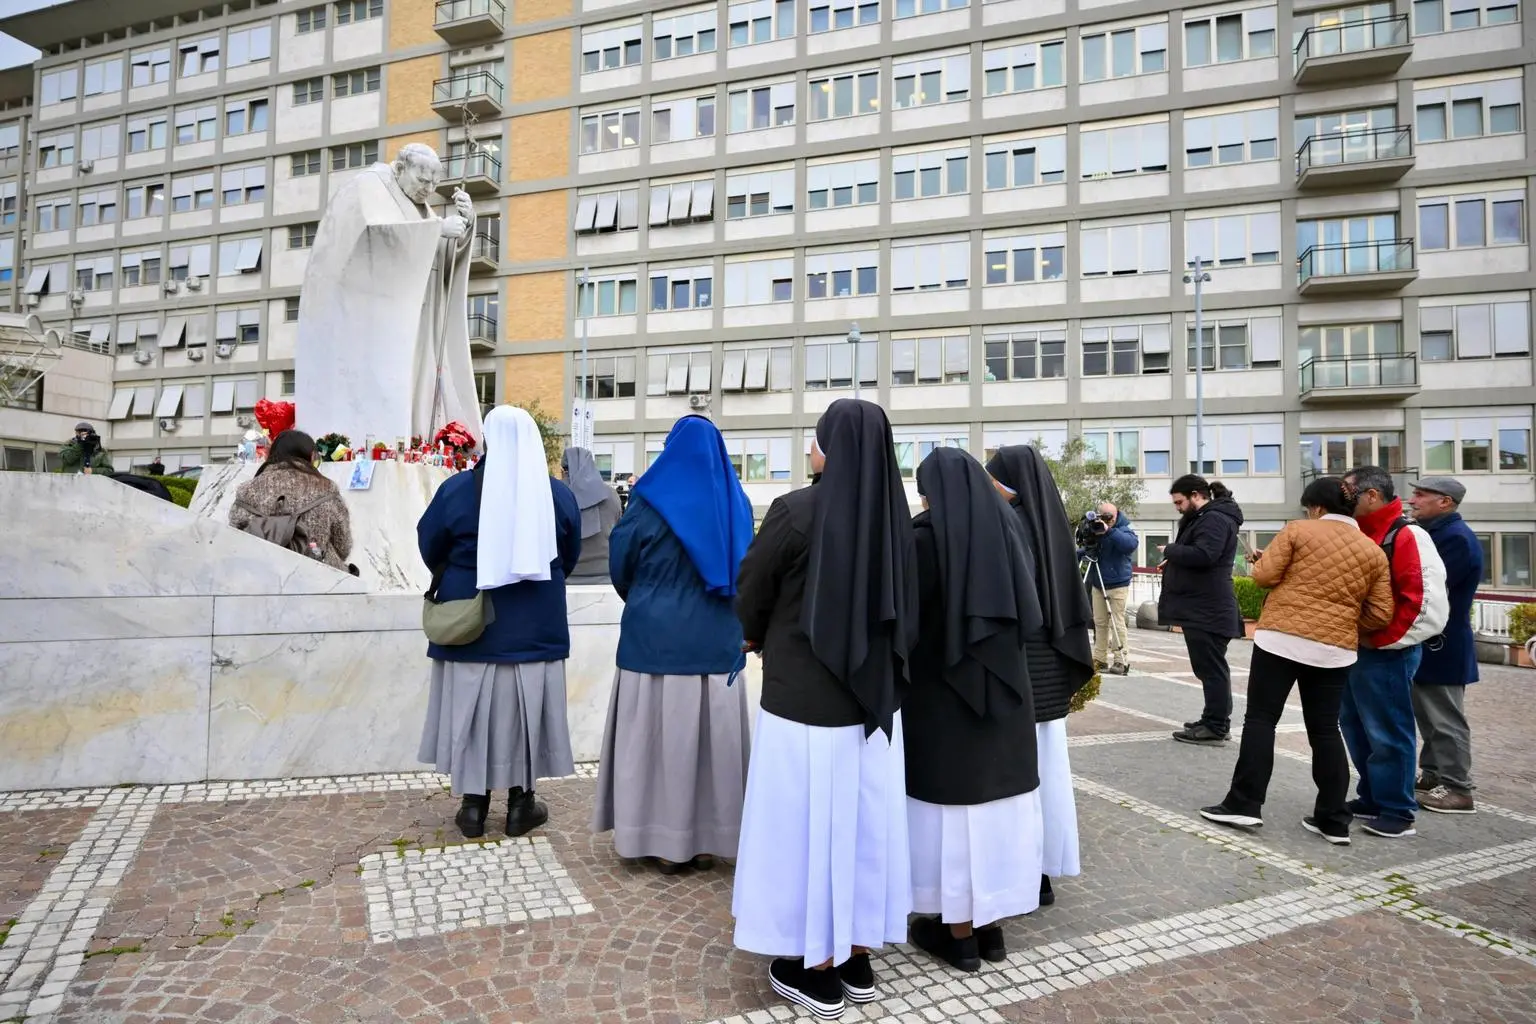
pixel 1004 197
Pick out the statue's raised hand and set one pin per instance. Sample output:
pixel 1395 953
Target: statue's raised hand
pixel 454 226
pixel 463 205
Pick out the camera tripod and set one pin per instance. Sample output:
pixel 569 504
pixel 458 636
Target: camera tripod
pixel 1118 639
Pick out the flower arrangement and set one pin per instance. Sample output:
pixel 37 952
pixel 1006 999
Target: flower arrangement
pixel 274 417
pixel 456 438
pixel 333 447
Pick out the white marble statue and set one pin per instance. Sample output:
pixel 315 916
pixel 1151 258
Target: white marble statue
pixel 383 345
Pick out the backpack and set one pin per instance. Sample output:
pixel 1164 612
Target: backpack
pixel 283 529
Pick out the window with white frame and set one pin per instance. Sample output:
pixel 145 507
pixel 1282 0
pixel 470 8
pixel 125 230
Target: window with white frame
pixel 679 288
pixel 1237 449
pixel 56 150
pixel 604 48
pixel 599 212
pixel 836 15
pixel 246 116
pixel 753 193
pixel 1477 444
pixel 240 326
pixel 1124 350
pixel 929 80
pixel 756 282
pixel 140 268
pixel 835 184
pixel 1118 250
pixel 1237 137
pixel 1431 17
pixel 842 275
pixel 302 236
pixel 930 265
pixel 249 45
pixel 308 90
pixel 97 208
pixel 1335 134
pixel 830 364
pixel 759 459
pixel 1335 453
pixel 354 156
pixel 1044 438
pixel 147 133
pixel 1023 67
pixel 1025 163
pixel 58 86
pixel 681 202
pixel 144 199
pixel 131 332
pixel 197 124
pixel 149 67
pixel 8 203
pixel 243 185
pixel 54 213
pixel 239 256
pixel 761 21
pixel 10 144
pixel 684 34
pixel 1337 343
pixel 101 140
pixel 682 118
pixel 917 8
pixel 95 272
pixel 349 12
pixel 1026 353
pixel 915 445
pixel 758 367
pixel 1232 239
pixel 608 294
pixel 311 19
pixel 103 76
pixel 1224 38
pixel 190 261
pixel 615 459
pixel 1124 52
pixel 761 106
pixel 1507 558
pixel 844 94
pixel 199 56
pixel 610 130
pixel 1337 237
pixel 291 309
pixel 1128 451
pixel 304 164
pixel 1026 258
pixel 355 83
pixel 1466 328
pixel 1124 149
pixel 608 376
pixel 677 373
pixel 1472 220
pixel 1469 110
pixel 930 360
pixel 1229 342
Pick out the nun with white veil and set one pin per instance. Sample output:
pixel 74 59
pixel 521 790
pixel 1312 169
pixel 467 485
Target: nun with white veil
pixel 496 717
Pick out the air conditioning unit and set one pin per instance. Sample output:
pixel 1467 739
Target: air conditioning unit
pixel 171 287
pixel 245 420
pixel 194 284
pixel 87 166
pixel 143 357
pixel 77 297
pixel 698 401
pixel 224 350
pixel 195 354
pixel 168 425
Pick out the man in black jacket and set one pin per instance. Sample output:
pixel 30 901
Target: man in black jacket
pixel 1197 596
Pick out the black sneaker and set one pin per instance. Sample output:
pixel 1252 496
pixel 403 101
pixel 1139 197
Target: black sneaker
pixel 1389 828
pixel 1361 809
pixel 858 978
pixel 821 992
pixel 1337 839
pixel 1047 894
pixel 1200 733
pixel 1221 814
pixel 989 941
pixel 933 936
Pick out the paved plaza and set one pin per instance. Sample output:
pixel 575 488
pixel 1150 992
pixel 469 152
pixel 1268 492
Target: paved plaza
pixel 353 900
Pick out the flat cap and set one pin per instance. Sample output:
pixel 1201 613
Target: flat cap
pixel 1446 485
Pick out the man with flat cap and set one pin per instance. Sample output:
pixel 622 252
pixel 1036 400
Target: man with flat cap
pixel 1450 661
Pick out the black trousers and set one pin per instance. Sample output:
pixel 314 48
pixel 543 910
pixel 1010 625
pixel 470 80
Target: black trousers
pixel 1208 658
pixel 1270 678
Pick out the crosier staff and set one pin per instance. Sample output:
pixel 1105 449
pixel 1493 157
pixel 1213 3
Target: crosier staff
pixel 464 207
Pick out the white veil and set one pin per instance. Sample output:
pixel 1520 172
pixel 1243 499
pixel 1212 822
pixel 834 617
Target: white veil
pixel 517 510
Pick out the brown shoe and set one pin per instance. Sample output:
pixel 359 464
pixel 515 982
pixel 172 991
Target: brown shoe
pixel 1443 800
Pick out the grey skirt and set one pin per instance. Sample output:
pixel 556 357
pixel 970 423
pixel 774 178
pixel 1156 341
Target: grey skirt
pixel 674 765
pixel 497 726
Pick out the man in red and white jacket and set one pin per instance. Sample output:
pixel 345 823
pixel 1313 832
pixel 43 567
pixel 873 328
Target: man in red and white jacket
pixel 1376 716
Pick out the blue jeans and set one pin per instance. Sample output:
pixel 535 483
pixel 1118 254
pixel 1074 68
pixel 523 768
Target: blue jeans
pixel 1376 718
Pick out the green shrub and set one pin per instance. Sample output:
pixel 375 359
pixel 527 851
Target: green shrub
pixel 180 487
pixel 1522 623
pixel 1250 597
pixel 1080 699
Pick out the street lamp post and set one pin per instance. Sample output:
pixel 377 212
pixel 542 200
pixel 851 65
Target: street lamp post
pixel 854 337
pixel 1198 277
pixel 579 427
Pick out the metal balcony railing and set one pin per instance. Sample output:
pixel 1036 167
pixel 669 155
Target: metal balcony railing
pixel 1341 259
pixel 482 328
pixel 461 87
pixel 1352 37
pixel 1357 147
pixel 471 165
pixel 484 247
pixel 448 11
pixel 1399 370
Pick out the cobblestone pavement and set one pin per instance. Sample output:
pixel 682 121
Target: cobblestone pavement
pixel 353 900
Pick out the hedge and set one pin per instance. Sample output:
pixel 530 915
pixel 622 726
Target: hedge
pixel 1522 623
pixel 180 487
pixel 1250 597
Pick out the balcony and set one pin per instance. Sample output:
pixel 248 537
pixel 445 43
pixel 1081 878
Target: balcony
pixel 484 255
pixel 1358 267
pixel 1402 478
pixel 460 22
pixel 479 174
pixel 1344 160
pixel 1353 51
pixel 482 332
pixel 1360 378
pixel 479 93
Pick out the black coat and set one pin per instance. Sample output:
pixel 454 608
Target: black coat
pixel 1197 572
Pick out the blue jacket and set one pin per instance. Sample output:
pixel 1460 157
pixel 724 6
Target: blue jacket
pixel 671 625
pixel 530 616
pixel 1453 662
pixel 1117 550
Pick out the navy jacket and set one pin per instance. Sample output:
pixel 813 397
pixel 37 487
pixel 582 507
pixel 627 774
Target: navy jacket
pixel 530 616
pixel 1117 550
pixel 671 625
pixel 1197 571
pixel 1451 658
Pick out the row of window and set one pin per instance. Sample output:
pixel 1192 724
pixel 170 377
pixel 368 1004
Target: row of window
pixel 103 272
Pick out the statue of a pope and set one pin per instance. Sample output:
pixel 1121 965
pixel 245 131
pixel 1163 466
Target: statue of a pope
pixel 383 345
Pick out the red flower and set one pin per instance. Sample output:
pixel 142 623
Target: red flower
pixel 456 437
pixel 274 417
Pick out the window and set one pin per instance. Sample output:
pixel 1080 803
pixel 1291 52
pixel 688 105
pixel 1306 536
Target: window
pixel 8 211
pixel 1123 52
pixel 1116 250
pixel 1474 330
pixel 239 256
pixel 1023 67
pixel 1346 355
pixel 103 76
pixel 1025 163
pixel 763 106
pixel 351 11
pixel 304 164
pixel 237 326
pixel 1234 343
pixel 189 261
pixel 199 56
pixel 1024 259
pixel 94 273
pixel 146 199
pixel 97 208
pixel 358 154
pixel 914 8
pixel 241 185
pixel 1348 246
pixel 930 265
pixel 291 309
pixel 1514 568
pixel 831 364
pixel 1223 38
pixel 192 192
pixel 58 86
pixel 1336 454
pixel 677 373
pixel 608 376
pixel 1232 239
pixel 608 211
pixel 196 124
pixel 610 130
pixel 680 288
pixel 149 67
pixel 912 448
pixel 845 183
pixel 47 279
pixel 100 140
pixel 1026 353
pixel 678 120
pixel 1469 110
pixel 681 203
pixel 844 94
pixel 1232 138
pixel 759 193
pixel 759 459
pixel 242 117
pixel 310 90
pixel 607 295
pixel 931 360
pixel 57 150
pixel 1128 149
pixel 146 133
pixel 758 368
pixel 1237 449
pixel 10 144
pixel 1434 16
pixel 604 49
pixel 754 282
pixel 310 20
pixel 1482 444
pixel 761 21
pixel 929 174
pixel 250 45
pixel 919 83
pixel 683 35
pixel 1124 350
pixel 1472 221
pixel 1344 136
pixel 836 15
pixel 55 213
pixel 842 275
pixel 302 236
pixel 140 268
pixel 355 83
pixel 1130 451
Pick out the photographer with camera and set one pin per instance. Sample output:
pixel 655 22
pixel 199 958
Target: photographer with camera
pixel 1106 546
pixel 84 453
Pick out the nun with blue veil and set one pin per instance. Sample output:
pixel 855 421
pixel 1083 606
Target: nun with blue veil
pixel 674 759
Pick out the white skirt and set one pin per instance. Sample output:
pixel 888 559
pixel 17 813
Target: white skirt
pixel 976 862
pixel 1057 804
pixel 823 863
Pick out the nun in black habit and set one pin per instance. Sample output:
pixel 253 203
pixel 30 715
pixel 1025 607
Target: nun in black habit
pixel 827 594
pixel 973 806
pixel 1060 654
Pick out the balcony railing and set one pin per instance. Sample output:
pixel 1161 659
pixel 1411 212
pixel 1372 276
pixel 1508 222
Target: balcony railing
pixel 1376 46
pixel 481 92
pixel 478 172
pixel 1353 149
pixel 485 249
pixel 1394 372
pixel 461 21
pixel 1388 263
pixel 482 329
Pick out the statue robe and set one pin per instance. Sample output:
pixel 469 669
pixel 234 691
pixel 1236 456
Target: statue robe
pixel 384 307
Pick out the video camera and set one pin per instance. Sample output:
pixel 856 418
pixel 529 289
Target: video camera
pixel 1092 529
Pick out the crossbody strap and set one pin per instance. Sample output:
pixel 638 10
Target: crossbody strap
pixel 438 573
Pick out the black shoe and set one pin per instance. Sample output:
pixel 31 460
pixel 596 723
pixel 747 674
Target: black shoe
pixel 703 862
pixel 858 977
pixel 1047 894
pixel 667 867
pixel 821 992
pixel 1200 733
pixel 471 816
pixel 933 936
pixel 524 813
pixel 1221 814
pixel 1330 834
pixel 1361 809
pixel 989 941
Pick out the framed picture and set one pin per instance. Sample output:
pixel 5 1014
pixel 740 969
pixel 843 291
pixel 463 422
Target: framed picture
pixel 362 475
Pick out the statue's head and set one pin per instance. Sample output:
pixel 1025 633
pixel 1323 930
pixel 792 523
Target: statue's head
pixel 418 170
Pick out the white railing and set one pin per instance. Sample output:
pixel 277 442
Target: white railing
pixel 1145 586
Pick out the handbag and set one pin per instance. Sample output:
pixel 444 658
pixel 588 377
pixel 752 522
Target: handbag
pixel 454 623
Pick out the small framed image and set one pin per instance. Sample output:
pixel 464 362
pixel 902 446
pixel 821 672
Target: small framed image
pixel 362 475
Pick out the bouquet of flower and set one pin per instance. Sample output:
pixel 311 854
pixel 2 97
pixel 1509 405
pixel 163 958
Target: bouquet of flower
pixel 331 446
pixel 457 438
pixel 274 417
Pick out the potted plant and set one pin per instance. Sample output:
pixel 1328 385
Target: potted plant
pixel 1522 629
pixel 1250 602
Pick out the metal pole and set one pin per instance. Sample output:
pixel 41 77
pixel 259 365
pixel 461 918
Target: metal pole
pixel 579 429
pixel 1198 277
pixel 854 337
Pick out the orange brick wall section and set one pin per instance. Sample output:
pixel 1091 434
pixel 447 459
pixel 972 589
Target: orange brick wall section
pixel 410 23
pixel 540 146
pixel 536 378
pixel 539 228
pixel 543 66
pixel 410 89
pixel 525 12
pixel 393 146
pixel 535 307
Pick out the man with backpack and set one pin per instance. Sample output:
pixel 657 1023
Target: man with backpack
pixel 1377 713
